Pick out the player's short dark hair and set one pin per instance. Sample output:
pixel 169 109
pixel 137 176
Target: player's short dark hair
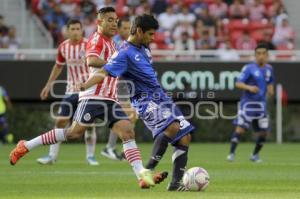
pixel 73 21
pixel 262 45
pixel 126 19
pixel 105 10
pixel 145 22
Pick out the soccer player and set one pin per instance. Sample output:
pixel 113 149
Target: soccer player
pixel 4 104
pixel 256 81
pixel 110 150
pixel 71 53
pixel 133 62
pixel 99 101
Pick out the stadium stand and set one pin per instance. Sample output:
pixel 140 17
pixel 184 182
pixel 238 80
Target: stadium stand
pixel 222 19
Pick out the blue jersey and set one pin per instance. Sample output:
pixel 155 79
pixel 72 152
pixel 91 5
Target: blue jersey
pixel 254 75
pixel 135 64
pixel 118 41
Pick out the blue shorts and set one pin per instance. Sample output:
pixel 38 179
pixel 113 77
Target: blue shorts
pixel 108 111
pixel 158 114
pixel 254 115
pixel 68 106
pixel 3 121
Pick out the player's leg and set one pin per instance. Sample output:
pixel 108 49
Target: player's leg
pixel 51 137
pixel 120 124
pixel 65 114
pixel 261 127
pixel 179 159
pixel 3 129
pixel 110 149
pixel 234 141
pixel 90 138
pixel 51 158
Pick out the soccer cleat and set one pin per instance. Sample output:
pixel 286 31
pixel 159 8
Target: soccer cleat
pixel 111 154
pixel 19 151
pixel 92 161
pixel 147 177
pixel 157 178
pixel 176 187
pixel 230 157
pixel 46 160
pixel 255 158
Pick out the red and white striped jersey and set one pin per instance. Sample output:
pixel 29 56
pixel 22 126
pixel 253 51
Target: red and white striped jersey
pixel 103 47
pixel 73 55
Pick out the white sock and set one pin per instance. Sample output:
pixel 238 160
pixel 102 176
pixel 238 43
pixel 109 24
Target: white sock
pixel 90 138
pixel 133 156
pixel 53 150
pixel 51 137
pixel 112 140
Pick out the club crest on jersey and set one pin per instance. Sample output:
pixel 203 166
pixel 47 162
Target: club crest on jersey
pixel 87 117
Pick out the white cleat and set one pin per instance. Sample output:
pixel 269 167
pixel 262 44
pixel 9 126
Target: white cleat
pixel 92 161
pixel 230 157
pixel 255 158
pixel 147 176
pixel 46 160
pixel 111 154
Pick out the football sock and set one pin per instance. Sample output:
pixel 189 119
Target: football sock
pixel 179 159
pixel 259 144
pixel 51 137
pixel 112 140
pixel 53 151
pixel 133 156
pixel 234 141
pixel 160 146
pixel 90 138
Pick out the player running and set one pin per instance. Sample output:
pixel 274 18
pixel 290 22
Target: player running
pixel 99 101
pixel 256 81
pixel 133 62
pixel 71 53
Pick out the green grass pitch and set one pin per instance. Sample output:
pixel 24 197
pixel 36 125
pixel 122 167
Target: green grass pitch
pixel 278 176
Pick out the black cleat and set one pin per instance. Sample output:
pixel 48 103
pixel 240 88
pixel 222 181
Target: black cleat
pixel 176 187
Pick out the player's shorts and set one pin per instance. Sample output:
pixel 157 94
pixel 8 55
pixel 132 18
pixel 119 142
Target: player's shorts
pixel 3 121
pixel 68 106
pixel 158 114
pixel 108 111
pixel 254 115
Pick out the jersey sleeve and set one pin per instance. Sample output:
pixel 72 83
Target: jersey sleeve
pixel 245 73
pixel 95 47
pixel 117 65
pixel 60 58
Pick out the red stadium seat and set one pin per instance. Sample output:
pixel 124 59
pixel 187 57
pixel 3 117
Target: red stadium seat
pixel 159 37
pixel 238 24
pixel 257 35
pixel 235 35
pixel 258 25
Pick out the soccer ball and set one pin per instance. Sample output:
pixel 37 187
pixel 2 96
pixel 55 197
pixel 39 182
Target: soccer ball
pixel 196 179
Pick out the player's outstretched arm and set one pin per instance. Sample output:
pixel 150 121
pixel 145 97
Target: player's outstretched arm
pixel 93 79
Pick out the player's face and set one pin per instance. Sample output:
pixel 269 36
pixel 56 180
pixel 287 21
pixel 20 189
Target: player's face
pixel 75 31
pixel 261 56
pixel 108 23
pixel 124 29
pixel 147 37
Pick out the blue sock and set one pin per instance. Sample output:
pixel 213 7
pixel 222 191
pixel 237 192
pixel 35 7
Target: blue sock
pixel 160 146
pixel 179 158
pixel 235 138
pixel 259 144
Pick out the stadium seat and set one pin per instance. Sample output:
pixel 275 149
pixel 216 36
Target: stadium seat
pixel 258 35
pixel 238 24
pixel 258 25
